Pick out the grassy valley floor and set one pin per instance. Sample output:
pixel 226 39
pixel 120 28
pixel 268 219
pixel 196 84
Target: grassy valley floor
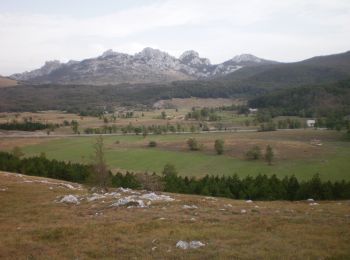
pixel 294 153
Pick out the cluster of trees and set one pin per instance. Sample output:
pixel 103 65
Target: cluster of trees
pixel 203 114
pixel 194 145
pixel 145 130
pixel 96 173
pixel 26 126
pixel 290 123
pixel 255 154
pixel 261 187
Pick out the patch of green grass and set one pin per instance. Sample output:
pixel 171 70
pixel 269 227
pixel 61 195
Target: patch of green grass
pixel 334 166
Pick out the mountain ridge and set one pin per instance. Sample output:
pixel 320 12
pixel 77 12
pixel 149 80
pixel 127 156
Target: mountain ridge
pixel 148 66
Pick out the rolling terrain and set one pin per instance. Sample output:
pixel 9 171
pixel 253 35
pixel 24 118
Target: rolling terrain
pixel 34 219
pixel 7 82
pixel 294 153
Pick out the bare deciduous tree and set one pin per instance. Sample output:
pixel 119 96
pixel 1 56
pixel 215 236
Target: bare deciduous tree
pixel 101 176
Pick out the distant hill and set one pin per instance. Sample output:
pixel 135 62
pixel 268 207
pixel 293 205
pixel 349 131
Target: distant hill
pixel 7 82
pixel 317 70
pixel 148 66
pixel 310 100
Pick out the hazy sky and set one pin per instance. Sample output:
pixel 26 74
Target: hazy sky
pixel 33 31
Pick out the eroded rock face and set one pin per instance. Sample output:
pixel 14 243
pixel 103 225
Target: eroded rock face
pixel 149 65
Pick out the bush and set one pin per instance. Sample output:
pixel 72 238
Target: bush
pixel 193 144
pixel 254 153
pixel 152 144
pixel 219 146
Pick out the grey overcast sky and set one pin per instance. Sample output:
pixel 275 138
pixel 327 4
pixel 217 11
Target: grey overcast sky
pixel 34 31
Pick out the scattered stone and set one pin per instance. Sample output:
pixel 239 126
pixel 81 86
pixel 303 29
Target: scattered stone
pixel 182 245
pixel 310 200
pixel 314 204
pixel 189 207
pixel 129 202
pixel 191 245
pixel 95 196
pixel 196 244
pixel 71 199
pixel 249 201
pixel 154 248
pixel 243 211
pixel 152 196
pixel 228 206
pixel 4 189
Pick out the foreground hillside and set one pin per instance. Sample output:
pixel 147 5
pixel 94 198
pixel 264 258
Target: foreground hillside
pixel 35 222
pixel 7 82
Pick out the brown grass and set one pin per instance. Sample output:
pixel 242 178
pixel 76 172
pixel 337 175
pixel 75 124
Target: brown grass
pixel 7 144
pixel 6 82
pixel 34 226
pixel 188 103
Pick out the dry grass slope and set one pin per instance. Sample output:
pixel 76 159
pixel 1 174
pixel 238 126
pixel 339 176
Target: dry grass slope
pixel 34 226
pixel 6 82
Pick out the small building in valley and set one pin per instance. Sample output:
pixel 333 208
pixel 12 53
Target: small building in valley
pixel 310 122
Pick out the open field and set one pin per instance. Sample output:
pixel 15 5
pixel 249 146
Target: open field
pixel 35 226
pixel 294 154
pixel 150 117
pixel 7 82
pixel 188 103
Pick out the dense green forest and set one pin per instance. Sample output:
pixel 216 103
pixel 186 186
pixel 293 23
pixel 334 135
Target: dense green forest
pixel 308 101
pixel 261 187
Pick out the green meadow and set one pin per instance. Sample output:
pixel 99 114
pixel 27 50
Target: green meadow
pixel 132 153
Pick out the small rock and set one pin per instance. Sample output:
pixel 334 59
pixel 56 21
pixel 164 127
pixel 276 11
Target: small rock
pixel 189 207
pixel 182 245
pixel 191 245
pixel 249 201
pixel 196 244
pixel 243 211
pixel 71 199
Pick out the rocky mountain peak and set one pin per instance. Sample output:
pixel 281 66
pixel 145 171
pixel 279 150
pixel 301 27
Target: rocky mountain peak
pixel 192 58
pixel 107 53
pixel 149 65
pixel 246 58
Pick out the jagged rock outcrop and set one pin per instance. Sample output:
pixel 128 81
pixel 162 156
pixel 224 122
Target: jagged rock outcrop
pixel 149 65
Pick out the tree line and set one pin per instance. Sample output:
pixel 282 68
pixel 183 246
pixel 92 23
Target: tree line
pixel 25 126
pixel 260 187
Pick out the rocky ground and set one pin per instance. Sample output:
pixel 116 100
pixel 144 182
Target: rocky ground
pixel 45 218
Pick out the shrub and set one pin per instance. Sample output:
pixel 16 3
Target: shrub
pixel 152 144
pixel 193 144
pixel 219 146
pixel 254 153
